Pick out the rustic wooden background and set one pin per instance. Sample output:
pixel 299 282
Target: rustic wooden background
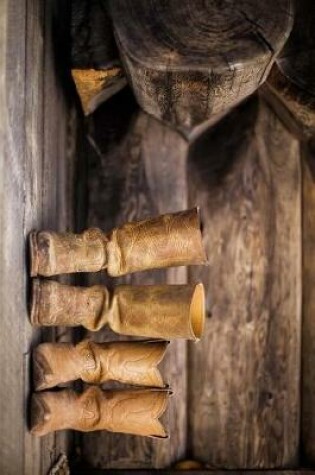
pixel 242 392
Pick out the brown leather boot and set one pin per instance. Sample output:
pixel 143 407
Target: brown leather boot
pixel 155 311
pixel 131 412
pixel 166 241
pixel 126 362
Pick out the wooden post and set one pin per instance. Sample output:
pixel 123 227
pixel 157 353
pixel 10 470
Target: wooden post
pixel 188 63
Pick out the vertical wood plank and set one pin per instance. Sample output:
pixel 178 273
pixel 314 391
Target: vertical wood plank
pixel 308 332
pixel 34 129
pixel 12 142
pixel 57 164
pixel 138 170
pixel 35 191
pixel 244 401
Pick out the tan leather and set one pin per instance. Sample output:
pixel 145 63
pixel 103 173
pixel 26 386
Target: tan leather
pixel 126 362
pixel 131 412
pixel 155 311
pixel 165 241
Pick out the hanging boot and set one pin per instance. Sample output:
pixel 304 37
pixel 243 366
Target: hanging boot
pixel 166 241
pixel 131 412
pixel 155 311
pixel 126 362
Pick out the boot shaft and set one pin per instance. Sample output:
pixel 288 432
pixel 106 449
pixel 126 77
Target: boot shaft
pixel 55 304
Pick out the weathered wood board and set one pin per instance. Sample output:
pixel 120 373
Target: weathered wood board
pixel 244 377
pixel 308 328
pixel 37 128
pixel 132 176
pixel 292 94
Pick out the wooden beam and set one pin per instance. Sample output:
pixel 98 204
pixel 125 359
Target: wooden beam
pixel 187 65
pixel 244 392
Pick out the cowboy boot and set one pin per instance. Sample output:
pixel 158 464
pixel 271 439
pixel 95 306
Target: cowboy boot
pixel 131 412
pixel 155 311
pixel 126 362
pixel 169 240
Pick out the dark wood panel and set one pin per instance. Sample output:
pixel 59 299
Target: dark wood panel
pixel 93 44
pixel 137 170
pixel 290 89
pixel 244 401
pixel 95 63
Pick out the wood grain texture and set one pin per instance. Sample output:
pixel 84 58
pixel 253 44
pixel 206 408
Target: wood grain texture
pixel 36 177
pixel 244 401
pixel 308 332
pixel 187 62
pixel 132 176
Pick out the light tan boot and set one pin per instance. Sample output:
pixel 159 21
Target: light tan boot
pixel 166 241
pixel 155 311
pixel 131 412
pixel 126 362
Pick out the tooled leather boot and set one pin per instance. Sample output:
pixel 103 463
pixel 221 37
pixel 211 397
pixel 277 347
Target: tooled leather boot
pixel 126 362
pixel 131 412
pixel 165 241
pixel 155 311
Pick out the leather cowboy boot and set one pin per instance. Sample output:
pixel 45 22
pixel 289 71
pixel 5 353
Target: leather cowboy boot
pixel 166 241
pixel 126 362
pixel 131 412
pixel 155 311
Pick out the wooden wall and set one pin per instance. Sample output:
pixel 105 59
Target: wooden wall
pixel 237 402
pixel 37 161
